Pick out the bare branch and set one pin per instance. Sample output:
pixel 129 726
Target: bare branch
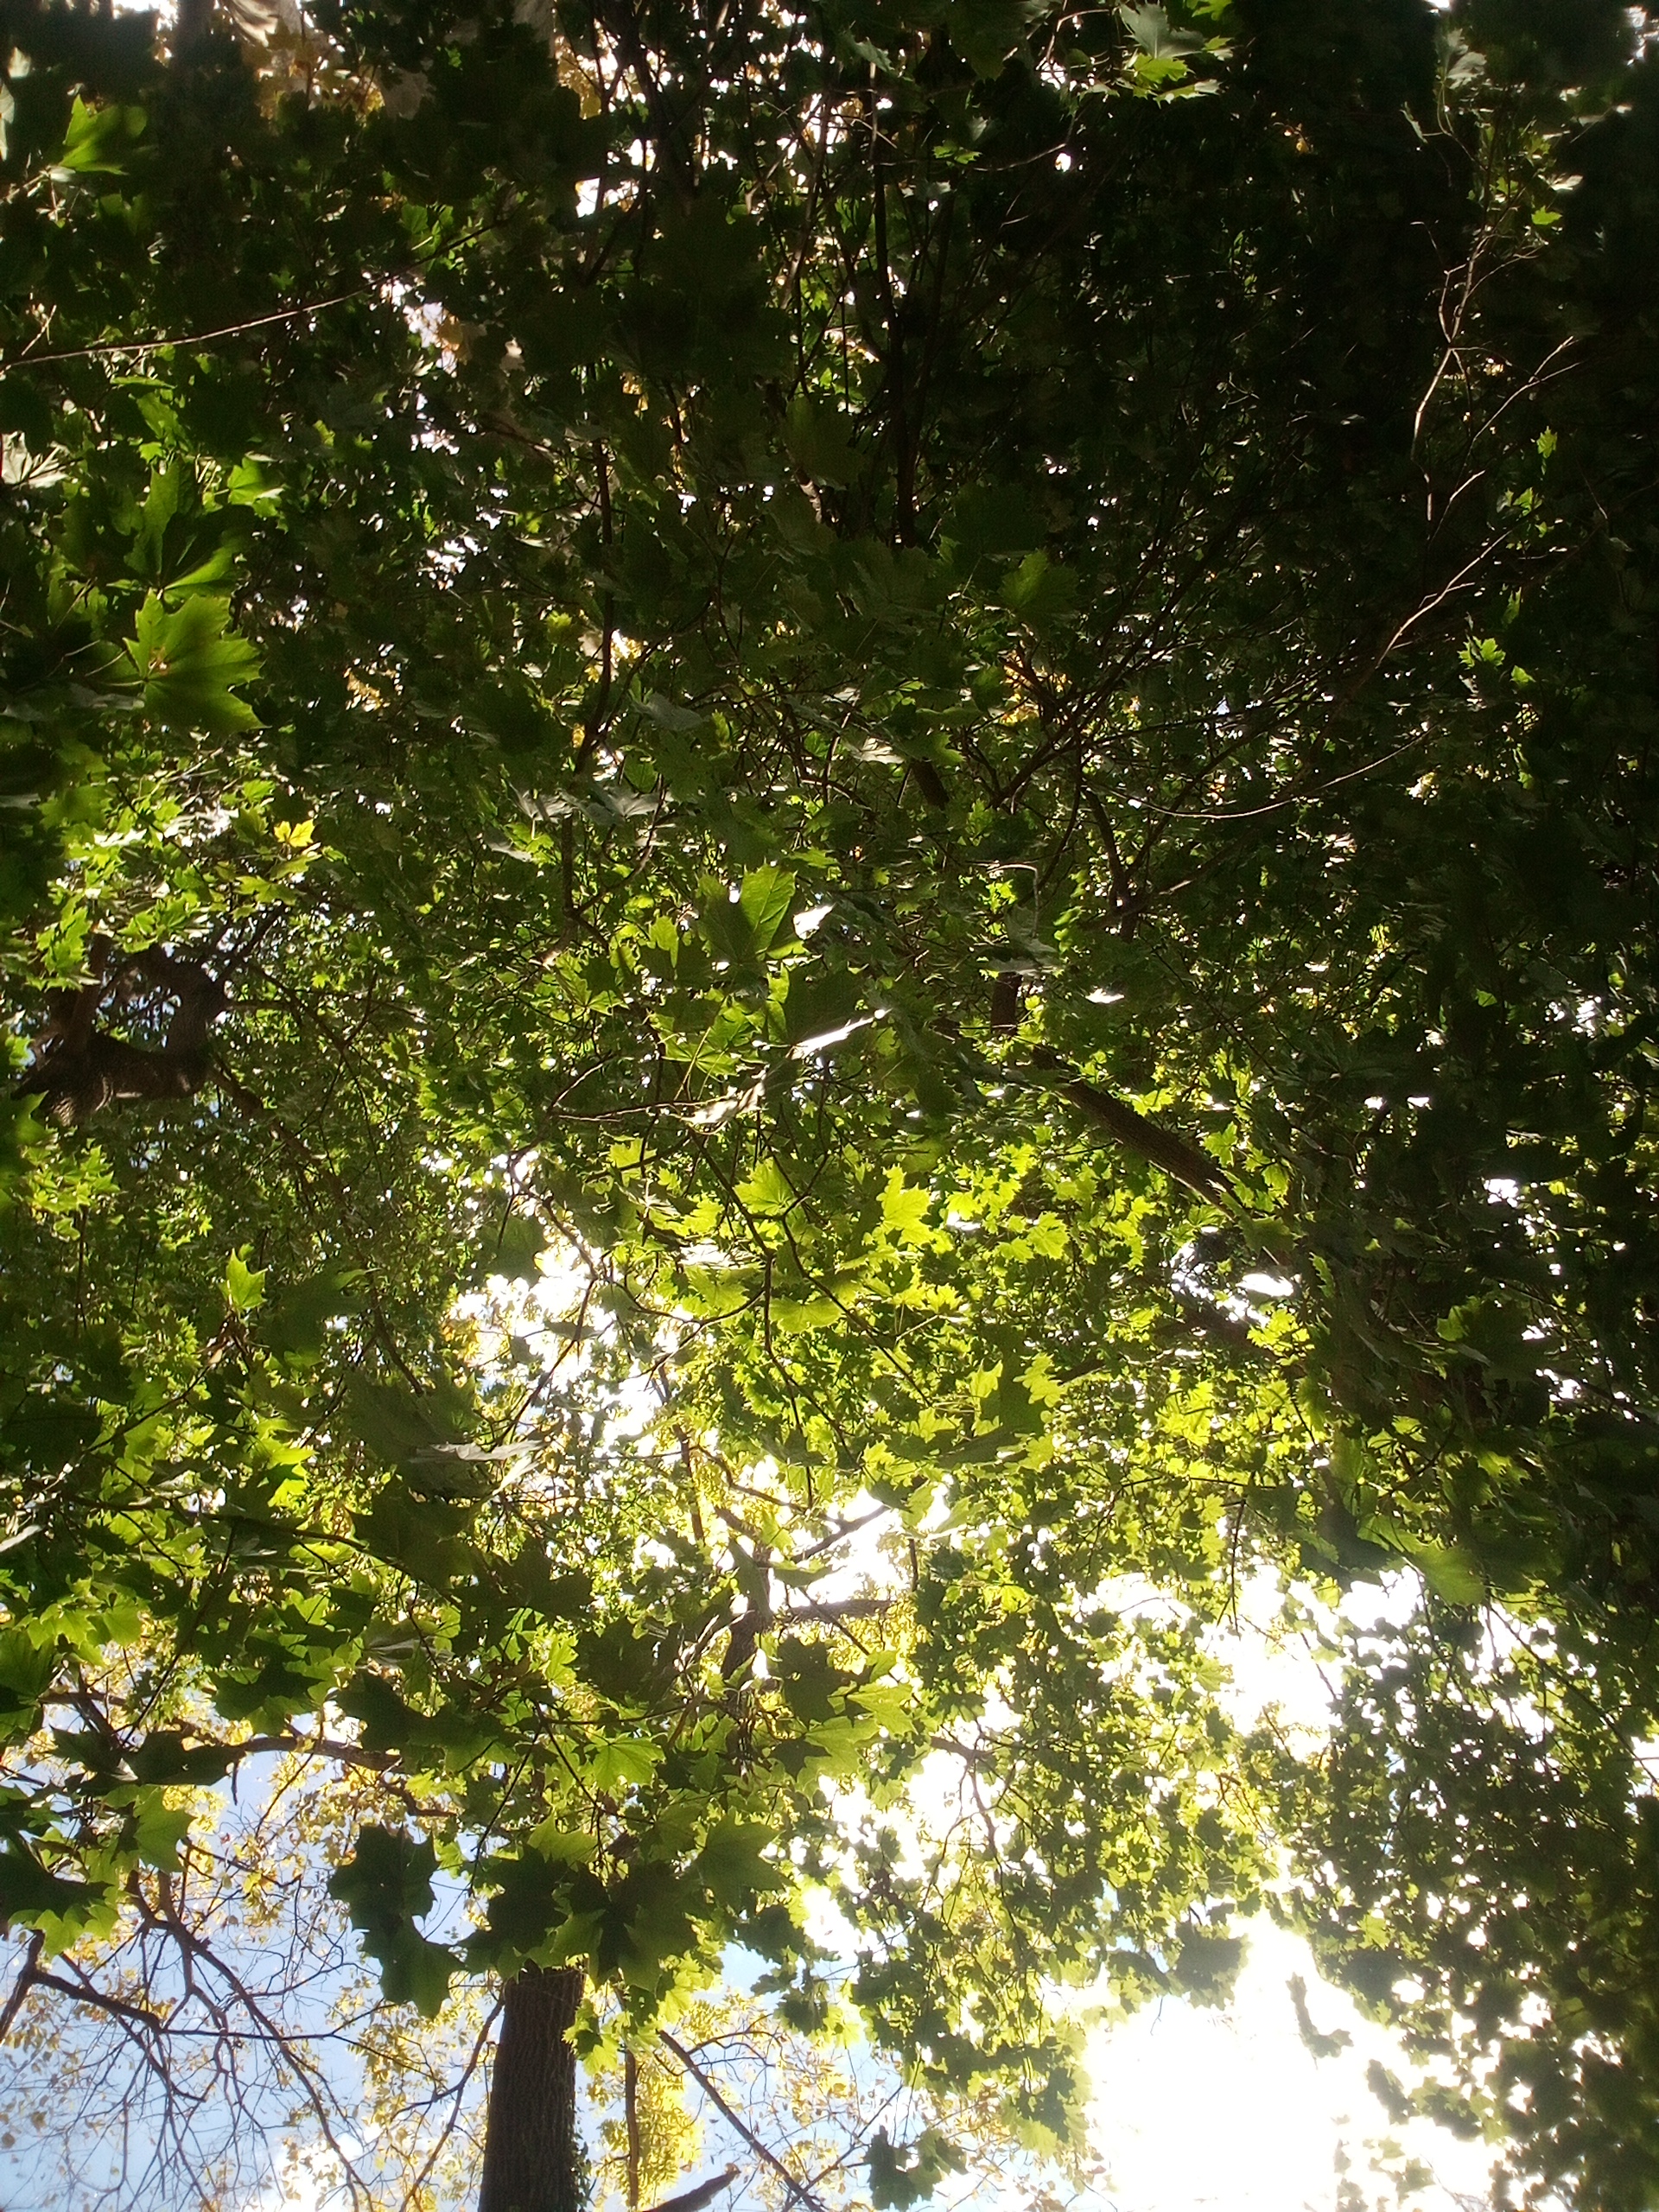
pixel 798 2190
pixel 24 1983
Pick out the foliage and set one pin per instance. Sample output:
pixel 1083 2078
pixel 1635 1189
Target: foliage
pixel 938 715
pixel 229 2013
pixel 830 2117
pixel 1478 1848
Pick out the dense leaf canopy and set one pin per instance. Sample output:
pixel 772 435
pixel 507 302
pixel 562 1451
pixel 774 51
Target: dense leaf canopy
pixel 956 699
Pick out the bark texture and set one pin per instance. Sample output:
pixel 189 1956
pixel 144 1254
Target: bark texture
pixel 1136 1134
pixel 530 2147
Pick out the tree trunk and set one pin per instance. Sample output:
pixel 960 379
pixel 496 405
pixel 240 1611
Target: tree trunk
pixel 191 25
pixel 530 2162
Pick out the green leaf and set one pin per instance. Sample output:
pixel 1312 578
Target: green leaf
pixel 1155 35
pixel 649 1923
pixel 905 1209
pixel 27 1666
pixel 810 1681
pixel 164 1756
pixel 32 1896
pixel 418 1971
pixel 625 1762
pixel 512 1253
pixel 386 1886
pixel 820 1005
pixel 986 32
pixel 767 1190
pixel 767 898
pixel 733 1863
pixel 726 929
pixel 406 1431
pixel 563 1846
pixel 819 441
pixel 296 1322
pixel 424 1537
pixel 389 1723
pixel 903 2174
pixel 244 1286
pixel 188 666
pixel 1449 1571
pixel 531 1899
pixel 1206 1965
pixel 99 138
pixel 159 1828
pixel 27 411
pixel 1039 592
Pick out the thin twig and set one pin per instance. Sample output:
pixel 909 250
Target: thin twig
pixel 191 338
pixel 795 2188
pixel 467 2071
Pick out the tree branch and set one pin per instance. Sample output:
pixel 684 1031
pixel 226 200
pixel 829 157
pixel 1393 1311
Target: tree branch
pixel 693 2200
pixel 26 1979
pixel 89 1993
pixel 796 2190
pixel 1148 1140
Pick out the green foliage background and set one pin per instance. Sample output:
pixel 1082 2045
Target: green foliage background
pixel 961 696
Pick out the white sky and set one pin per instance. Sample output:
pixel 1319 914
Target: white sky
pixel 1204 2110
pixel 1196 2109
pixel 1201 2111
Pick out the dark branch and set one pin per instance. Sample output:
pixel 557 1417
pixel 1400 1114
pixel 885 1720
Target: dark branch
pixel 796 2190
pixel 693 2200
pixel 26 1976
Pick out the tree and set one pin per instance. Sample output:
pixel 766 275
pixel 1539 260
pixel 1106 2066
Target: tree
pixel 908 683
pixel 229 2020
pixel 226 2013
pixel 1486 1807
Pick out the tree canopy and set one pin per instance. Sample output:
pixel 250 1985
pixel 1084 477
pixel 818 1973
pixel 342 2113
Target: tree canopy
pixel 830 829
